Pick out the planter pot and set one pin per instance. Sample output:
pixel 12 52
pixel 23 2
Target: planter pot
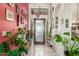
pixel 66 53
pixel 30 36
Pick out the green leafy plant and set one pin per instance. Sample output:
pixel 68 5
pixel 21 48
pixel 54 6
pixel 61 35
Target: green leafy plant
pixel 12 53
pixel 21 43
pixel 21 31
pixel 22 46
pixel 4 47
pixel 71 50
pixel 8 33
pixel 58 38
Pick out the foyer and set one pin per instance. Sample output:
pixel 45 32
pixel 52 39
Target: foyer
pixel 36 29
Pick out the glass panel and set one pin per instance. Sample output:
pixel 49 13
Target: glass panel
pixel 39 30
pixel 34 10
pixel 42 11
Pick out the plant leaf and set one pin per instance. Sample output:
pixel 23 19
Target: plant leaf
pixel 58 38
pixel 76 38
pixel 66 33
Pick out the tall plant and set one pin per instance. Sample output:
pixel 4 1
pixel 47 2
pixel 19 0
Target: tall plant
pixel 21 42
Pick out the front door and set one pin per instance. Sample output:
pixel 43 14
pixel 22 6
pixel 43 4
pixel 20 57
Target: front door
pixel 39 31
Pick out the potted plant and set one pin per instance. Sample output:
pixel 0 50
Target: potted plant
pixel 70 49
pixel 13 39
pixel 22 46
pixel 21 42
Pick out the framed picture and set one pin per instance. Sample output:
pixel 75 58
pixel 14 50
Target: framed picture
pixel 9 15
pixel 18 20
pixel 56 22
pixel 74 28
pixel 22 20
pixel 67 23
pixel 17 10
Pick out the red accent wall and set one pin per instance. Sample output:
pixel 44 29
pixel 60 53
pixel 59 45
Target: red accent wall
pixel 6 25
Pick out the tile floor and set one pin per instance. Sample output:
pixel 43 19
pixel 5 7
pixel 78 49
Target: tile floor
pixel 42 50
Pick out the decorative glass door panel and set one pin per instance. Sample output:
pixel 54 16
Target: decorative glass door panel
pixel 39 31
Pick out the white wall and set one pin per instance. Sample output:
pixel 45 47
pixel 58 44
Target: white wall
pixel 63 11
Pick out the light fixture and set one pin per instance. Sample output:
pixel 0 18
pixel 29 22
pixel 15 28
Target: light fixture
pixel 76 21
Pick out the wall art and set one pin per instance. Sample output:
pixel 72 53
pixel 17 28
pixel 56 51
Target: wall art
pixel 18 20
pixel 22 20
pixel 17 10
pixel 67 23
pixel 9 15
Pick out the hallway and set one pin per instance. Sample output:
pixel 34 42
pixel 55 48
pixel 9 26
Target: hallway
pixel 25 27
pixel 42 50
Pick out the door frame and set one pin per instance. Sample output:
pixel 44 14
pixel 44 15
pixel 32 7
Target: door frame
pixel 34 31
